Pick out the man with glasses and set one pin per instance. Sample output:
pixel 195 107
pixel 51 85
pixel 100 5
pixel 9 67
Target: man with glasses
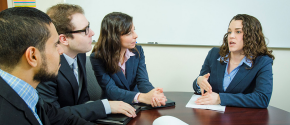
pixel 29 53
pixel 69 91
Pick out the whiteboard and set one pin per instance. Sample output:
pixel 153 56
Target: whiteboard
pixel 192 22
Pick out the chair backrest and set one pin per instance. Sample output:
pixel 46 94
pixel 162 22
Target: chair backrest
pixel 94 89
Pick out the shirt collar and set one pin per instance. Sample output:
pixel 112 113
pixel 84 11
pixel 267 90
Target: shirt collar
pixel 22 88
pixel 245 60
pixel 70 60
pixel 128 54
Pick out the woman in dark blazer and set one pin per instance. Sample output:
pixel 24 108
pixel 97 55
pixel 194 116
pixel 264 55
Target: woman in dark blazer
pixel 119 64
pixel 239 73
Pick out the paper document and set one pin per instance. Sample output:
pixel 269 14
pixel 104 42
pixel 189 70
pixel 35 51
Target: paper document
pixel 191 104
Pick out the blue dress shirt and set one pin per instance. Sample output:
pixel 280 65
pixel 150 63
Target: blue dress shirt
pixel 24 90
pixel 229 77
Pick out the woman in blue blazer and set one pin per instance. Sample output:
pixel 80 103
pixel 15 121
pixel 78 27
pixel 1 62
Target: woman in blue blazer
pixel 119 64
pixel 239 73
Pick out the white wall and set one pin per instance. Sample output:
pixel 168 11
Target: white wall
pixel 43 5
pixel 9 3
pixel 175 67
pixel 206 17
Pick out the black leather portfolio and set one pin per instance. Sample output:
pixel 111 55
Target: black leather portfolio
pixel 117 119
pixel 148 107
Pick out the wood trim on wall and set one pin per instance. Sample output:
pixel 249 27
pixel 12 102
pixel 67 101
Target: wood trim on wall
pixel 3 5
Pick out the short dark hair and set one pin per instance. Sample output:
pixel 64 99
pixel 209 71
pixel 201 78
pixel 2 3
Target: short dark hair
pixel 20 28
pixel 61 17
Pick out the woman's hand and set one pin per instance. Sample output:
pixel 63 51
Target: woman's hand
pixel 155 97
pixel 202 82
pixel 209 99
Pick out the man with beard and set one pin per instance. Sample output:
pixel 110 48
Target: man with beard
pixel 69 90
pixel 29 53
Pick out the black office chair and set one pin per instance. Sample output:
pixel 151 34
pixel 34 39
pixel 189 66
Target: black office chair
pixel 94 89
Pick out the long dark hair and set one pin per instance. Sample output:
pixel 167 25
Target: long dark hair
pixel 254 39
pixel 108 46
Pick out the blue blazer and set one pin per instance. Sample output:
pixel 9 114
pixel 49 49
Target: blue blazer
pixel 249 88
pixel 117 86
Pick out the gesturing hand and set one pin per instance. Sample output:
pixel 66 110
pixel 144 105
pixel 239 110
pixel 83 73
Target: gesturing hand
pixel 202 82
pixel 209 99
pixel 122 107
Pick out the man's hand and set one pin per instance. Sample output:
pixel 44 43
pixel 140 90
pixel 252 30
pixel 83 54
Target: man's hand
pixel 155 97
pixel 123 108
pixel 209 99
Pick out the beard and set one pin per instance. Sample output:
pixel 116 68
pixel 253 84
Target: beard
pixel 43 75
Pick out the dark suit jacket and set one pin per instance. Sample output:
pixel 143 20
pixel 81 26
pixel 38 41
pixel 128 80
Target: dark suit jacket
pixel 249 88
pixel 117 86
pixel 14 111
pixel 63 92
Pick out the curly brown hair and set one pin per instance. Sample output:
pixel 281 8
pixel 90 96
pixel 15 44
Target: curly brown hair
pixel 60 15
pixel 254 39
pixel 108 46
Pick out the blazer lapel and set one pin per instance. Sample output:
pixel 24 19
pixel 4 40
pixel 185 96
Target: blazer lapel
pixel 221 67
pixel 123 79
pixel 241 74
pixel 129 69
pixel 11 96
pixel 67 72
pixel 41 111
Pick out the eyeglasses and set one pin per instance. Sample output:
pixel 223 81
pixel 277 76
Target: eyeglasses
pixel 86 30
